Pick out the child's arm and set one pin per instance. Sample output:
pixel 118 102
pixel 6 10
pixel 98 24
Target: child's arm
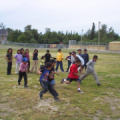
pixel 55 73
pixel 77 74
pixel 6 58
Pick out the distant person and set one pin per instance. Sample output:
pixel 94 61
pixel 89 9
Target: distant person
pixel 73 75
pixel 22 51
pixel 45 83
pixel 80 52
pixel 90 70
pixel 18 58
pixel 35 60
pixel 59 60
pixel 86 58
pixel 26 54
pixel 47 56
pixel 23 71
pixel 9 58
pixel 68 58
pixel 42 61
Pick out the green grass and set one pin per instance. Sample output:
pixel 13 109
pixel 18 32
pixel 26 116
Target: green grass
pixel 19 103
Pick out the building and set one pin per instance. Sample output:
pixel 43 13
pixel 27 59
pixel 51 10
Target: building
pixel 3 36
pixel 114 46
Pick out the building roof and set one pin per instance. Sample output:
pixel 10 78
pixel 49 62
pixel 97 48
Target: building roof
pixel 3 32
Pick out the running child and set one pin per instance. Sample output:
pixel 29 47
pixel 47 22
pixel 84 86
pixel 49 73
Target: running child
pixel 90 70
pixel 68 58
pixel 9 58
pixel 45 83
pixel 18 58
pixel 23 71
pixel 73 75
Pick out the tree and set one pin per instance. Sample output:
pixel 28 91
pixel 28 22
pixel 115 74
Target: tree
pixel 2 26
pixel 92 32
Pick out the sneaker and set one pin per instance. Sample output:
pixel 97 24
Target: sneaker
pixel 10 74
pixel 25 85
pixel 40 95
pixel 56 99
pixel 80 91
pixel 63 71
pixel 62 81
pixel 98 84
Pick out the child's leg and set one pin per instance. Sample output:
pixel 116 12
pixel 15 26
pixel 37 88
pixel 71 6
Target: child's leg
pixel 33 65
pixel 57 65
pixel 61 66
pixel 20 77
pixel 95 77
pixel 68 82
pixel 36 64
pixel 78 85
pixel 45 87
pixel 25 78
pixel 84 75
pixel 52 90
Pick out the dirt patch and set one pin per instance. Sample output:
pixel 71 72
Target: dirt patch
pixel 45 106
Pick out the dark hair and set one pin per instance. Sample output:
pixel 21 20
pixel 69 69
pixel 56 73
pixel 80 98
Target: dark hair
pixel 95 56
pixel 48 64
pixel 35 50
pixel 48 51
pixel 18 50
pixel 22 49
pixel 28 50
pixel 42 57
pixel 9 49
pixel 52 61
pixel 70 53
pixel 77 60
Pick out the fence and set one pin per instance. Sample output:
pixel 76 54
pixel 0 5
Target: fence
pixel 35 45
pixel 115 46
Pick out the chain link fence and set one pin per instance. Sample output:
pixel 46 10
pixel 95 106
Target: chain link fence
pixel 35 45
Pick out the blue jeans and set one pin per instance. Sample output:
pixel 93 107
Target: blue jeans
pixel 69 63
pixel 61 65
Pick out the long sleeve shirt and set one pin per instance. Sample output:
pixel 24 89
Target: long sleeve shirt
pixel 90 66
pixel 81 59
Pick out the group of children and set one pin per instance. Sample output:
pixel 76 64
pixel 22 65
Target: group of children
pixel 76 62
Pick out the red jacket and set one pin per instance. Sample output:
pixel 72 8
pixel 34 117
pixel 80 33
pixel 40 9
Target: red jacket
pixel 73 69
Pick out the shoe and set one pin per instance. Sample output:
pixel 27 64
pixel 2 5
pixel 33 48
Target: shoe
pixel 66 71
pixel 98 84
pixel 40 95
pixel 56 99
pixel 25 85
pixel 62 81
pixel 63 71
pixel 10 74
pixel 80 91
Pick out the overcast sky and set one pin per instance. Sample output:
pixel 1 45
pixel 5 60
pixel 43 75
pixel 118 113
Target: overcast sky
pixel 60 15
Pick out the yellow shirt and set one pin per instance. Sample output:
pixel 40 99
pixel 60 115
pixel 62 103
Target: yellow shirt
pixel 59 56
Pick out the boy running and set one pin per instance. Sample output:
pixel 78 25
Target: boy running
pixel 90 70
pixel 73 75
pixel 45 83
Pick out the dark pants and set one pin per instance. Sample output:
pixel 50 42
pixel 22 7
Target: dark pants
pixel 61 65
pixel 69 63
pixel 84 66
pixel 21 74
pixel 9 67
pixel 47 86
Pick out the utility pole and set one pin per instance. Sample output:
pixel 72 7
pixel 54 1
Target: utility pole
pixel 99 34
pixel 81 37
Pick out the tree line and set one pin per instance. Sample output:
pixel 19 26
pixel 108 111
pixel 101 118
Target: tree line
pixel 31 35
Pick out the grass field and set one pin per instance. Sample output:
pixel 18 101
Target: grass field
pixel 96 103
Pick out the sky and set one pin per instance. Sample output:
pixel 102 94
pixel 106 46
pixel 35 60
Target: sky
pixel 60 15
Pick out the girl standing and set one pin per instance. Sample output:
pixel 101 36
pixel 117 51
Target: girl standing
pixel 28 57
pixel 18 58
pixel 9 58
pixel 35 60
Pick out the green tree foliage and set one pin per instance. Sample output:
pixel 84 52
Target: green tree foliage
pixel 31 35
